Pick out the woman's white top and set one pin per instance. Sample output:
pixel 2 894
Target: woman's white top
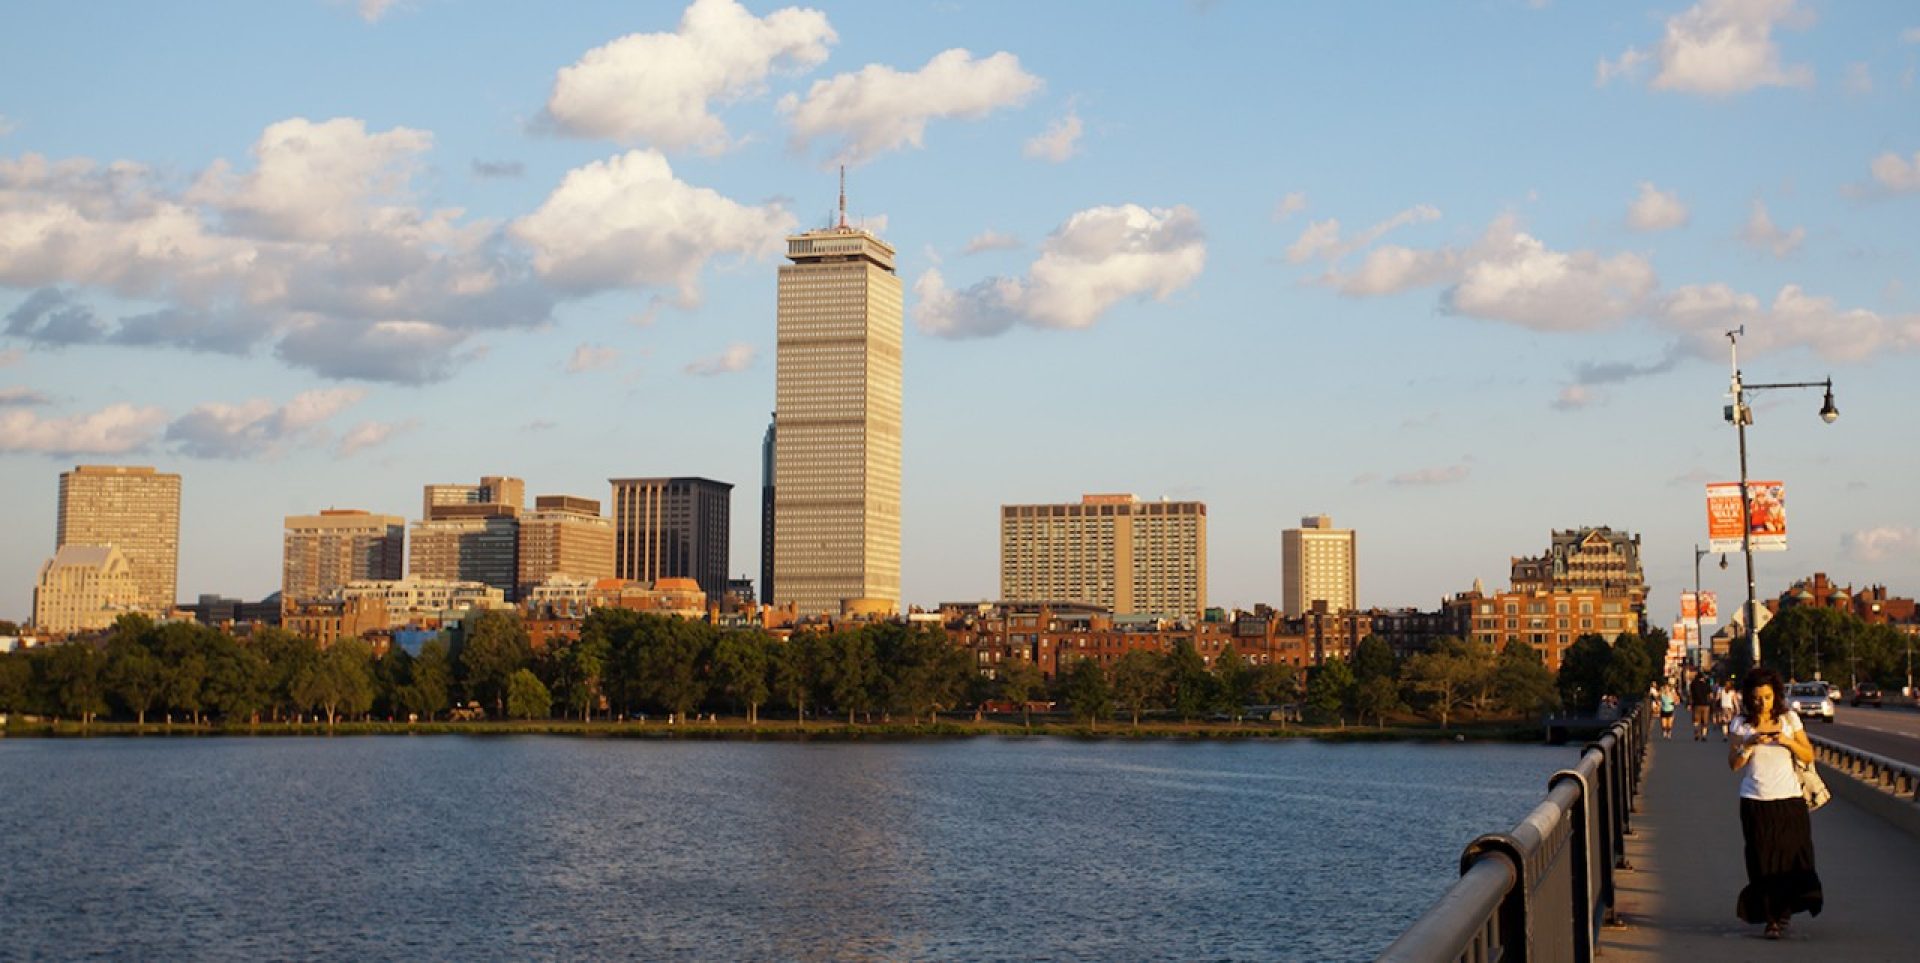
pixel 1768 773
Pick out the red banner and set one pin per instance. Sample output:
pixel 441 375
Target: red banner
pixel 1767 516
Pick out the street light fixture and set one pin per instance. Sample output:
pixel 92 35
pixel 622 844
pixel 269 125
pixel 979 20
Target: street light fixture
pixel 1705 654
pixel 1741 415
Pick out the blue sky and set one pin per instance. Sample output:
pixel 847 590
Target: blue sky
pixel 1456 274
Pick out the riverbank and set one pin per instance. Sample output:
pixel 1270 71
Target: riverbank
pixel 1492 730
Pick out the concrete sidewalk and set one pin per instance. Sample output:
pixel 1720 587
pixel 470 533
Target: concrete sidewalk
pixel 1678 901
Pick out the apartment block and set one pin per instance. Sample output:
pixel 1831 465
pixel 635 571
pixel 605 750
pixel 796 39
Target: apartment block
pixel 492 490
pixel 672 528
pixel 1547 621
pixel 325 551
pixel 1318 564
pixel 134 509
pixel 84 588
pixel 1112 551
pixel 564 536
pixel 478 542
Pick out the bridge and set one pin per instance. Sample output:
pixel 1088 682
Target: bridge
pixel 1636 854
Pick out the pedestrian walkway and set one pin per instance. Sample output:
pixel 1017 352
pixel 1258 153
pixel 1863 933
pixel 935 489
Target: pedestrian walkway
pixel 1685 850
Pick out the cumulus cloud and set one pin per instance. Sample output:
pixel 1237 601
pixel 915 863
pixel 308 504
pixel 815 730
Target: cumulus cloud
pixel 493 169
pixel 1656 210
pixel 1702 313
pixel 1098 258
pixel 370 434
pixel 21 396
pixel 1897 174
pixel 627 222
pixel 1881 544
pixel 256 427
pixel 1322 239
pixel 592 357
pixel 1058 142
pixel 737 357
pixel 1717 48
pixel 880 109
pixel 1437 475
pixel 659 88
pixel 1289 205
pixel 1760 233
pixel 113 430
pixel 320 233
pixel 991 241
pixel 1512 276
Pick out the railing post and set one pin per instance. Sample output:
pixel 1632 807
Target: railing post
pixel 1584 830
pixel 1516 930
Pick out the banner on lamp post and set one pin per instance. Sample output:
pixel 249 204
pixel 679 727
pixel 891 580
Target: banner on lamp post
pixel 1703 608
pixel 1766 514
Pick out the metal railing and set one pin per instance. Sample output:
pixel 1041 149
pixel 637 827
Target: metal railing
pixel 1542 890
pixel 1891 776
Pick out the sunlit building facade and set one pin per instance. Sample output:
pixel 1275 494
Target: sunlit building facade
pixel 1116 552
pixel 134 509
pixel 322 552
pixel 1319 563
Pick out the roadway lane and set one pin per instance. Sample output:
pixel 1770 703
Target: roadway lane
pixel 1893 732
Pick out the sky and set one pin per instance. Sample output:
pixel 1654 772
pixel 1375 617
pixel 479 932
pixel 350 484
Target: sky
pixel 1457 274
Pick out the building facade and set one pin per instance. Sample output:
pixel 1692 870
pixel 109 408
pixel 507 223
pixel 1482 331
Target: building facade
pixel 672 528
pixel 492 490
pixel 564 535
pixel 325 551
pixel 1319 563
pixel 417 600
pixel 1111 551
pixel 83 588
pixel 1595 559
pixel 837 404
pixel 469 543
pixel 766 512
pixel 1550 622
pixel 134 509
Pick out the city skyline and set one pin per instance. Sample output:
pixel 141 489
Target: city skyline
pixel 1456 292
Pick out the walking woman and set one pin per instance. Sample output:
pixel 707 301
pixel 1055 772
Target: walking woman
pixel 1767 737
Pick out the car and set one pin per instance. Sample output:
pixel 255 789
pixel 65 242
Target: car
pixel 1866 693
pixel 1811 700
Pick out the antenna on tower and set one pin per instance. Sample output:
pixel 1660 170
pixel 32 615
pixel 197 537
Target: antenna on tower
pixel 843 195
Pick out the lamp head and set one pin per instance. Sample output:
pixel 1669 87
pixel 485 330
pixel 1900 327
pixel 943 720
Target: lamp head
pixel 1723 561
pixel 1828 413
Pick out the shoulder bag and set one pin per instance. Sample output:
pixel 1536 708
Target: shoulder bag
pixel 1812 788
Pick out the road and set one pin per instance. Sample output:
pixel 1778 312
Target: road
pixel 1893 732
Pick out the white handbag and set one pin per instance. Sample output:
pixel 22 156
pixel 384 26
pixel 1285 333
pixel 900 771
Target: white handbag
pixel 1812 788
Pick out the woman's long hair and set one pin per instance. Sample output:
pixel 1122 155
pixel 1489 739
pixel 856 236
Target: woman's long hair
pixel 1756 677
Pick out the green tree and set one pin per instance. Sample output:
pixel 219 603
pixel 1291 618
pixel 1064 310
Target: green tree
pixel 1522 683
pixel 287 656
pixel 184 657
pixel 1373 659
pixel 1628 670
pixel 1583 674
pixel 75 674
pixel 583 666
pixel 15 678
pixel 430 689
pixel 1329 690
pixel 237 680
pixel 920 671
pixel 495 647
pixel 1275 684
pixel 1448 674
pixel 852 670
pixel 527 698
pixel 740 666
pixel 1655 644
pixel 1088 693
pixel 1189 680
pixel 1232 681
pixel 1019 680
pixel 673 660
pixel 339 682
pixel 1139 681
pixel 798 664
pixel 134 676
pixel 1805 642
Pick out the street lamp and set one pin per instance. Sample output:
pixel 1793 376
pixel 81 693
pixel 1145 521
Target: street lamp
pixel 1705 655
pixel 1741 415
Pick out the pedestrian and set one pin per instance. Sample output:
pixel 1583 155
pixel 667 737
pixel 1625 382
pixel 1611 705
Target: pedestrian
pixel 1768 738
pixel 1668 698
pixel 1700 703
pixel 1729 705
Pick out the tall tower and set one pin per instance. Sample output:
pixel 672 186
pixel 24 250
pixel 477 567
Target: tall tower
pixel 134 509
pixel 673 528
pixel 766 512
pixel 837 405
pixel 1319 563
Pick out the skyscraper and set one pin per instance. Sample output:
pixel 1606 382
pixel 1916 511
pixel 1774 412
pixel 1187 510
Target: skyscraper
pixel 837 405
pixel 1318 563
pixel 1115 551
pixel 564 535
pixel 325 551
pixel 672 528
pixel 470 533
pixel 766 511
pixel 134 509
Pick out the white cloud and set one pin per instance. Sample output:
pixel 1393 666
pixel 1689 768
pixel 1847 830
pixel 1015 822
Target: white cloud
pixel 1718 48
pixel 257 427
pixel 991 241
pixel 1438 475
pixel 1897 174
pixel 113 430
pixel 372 10
pixel 1704 313
pixel 659 88
pixel 627 222
pixel 880 109
pixel 1098 258
pixel 1392 269
pixel 1880 544
pixel 1321 239
pixel 737 358
pixel 1058 142
pixel 1761 233
pixel 318 182
pixel 1656 210
pixel 592 357
pixel 1627 67
pixel 1859 78
pixel 1289 205
pixel 370 434
pixel 21 396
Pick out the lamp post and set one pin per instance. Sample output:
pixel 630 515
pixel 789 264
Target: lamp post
pixel 1741 415
pixel 1699 641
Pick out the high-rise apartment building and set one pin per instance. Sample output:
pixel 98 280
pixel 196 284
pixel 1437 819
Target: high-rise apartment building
pixel 492 490
pixel 766 512
pixel 564 535
pixel 84 588
pixel 1318 563
pixel 1115 551
pixel 471 533
pixel 134 509
pixel 325 551
pixel 837 403
pixel 672 528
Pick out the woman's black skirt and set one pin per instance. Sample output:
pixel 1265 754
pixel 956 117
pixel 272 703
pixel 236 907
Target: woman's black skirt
pixel 1780 876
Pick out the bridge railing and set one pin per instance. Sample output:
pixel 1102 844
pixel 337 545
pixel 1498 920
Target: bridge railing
pixel 1890 776
pixel 1542 890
